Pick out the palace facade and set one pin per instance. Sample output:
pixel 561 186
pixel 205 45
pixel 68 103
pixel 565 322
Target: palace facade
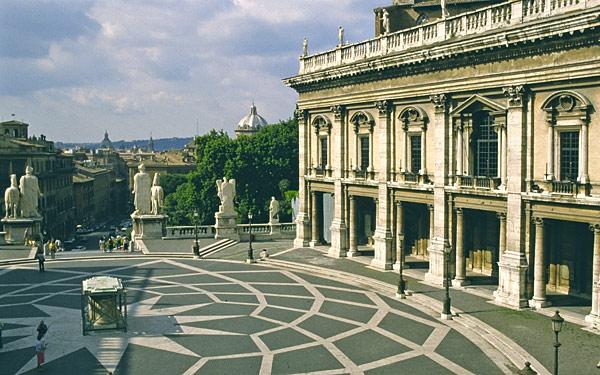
pixel 469 137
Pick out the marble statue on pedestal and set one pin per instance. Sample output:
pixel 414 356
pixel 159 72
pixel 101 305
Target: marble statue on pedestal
pixel 11 198
pixel 157 196
pixel 305 47
pixel 274 211
pixel 226 193
pixel 141 189
pixel 30 194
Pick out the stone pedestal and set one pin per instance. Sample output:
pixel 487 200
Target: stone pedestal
pixel 275 231
pixel 226 226
pixel 302 230
pixel 437 269
pixel 15 229
pixel 511 290
pixel 593 318
pixel 148 226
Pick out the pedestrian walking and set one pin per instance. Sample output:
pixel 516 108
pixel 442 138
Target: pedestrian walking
pixel 101 244
pixel 52 249
pixel 58 245
pixel 40 349
pixel 39 255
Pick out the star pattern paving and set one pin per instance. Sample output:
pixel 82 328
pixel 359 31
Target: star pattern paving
pixel 190 317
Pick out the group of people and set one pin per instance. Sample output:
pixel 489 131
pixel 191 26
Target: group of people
pixel 111 243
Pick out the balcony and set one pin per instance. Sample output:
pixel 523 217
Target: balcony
pixel 495 17
pixel 322 171
pixel 478 182
pixel 562 188
pixel 363 174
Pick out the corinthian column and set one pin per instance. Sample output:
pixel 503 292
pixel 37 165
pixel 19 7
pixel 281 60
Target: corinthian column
pixel 314 220
pixel 302 220
pixel 353 249
pixel 460 278
pixel 339 230
pixel 399 234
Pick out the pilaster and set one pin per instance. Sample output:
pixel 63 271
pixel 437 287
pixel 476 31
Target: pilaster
pixel 512 265
pixel 440 241
pixel 302 220
pixel 383 231
pixel 339 229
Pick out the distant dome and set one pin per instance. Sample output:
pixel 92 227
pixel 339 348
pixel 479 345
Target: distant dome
pixel 250 123
pixel 106 143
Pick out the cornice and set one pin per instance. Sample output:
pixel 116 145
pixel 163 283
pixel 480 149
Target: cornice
pixel 574 30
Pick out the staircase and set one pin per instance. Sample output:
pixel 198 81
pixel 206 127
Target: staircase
pixel 216 247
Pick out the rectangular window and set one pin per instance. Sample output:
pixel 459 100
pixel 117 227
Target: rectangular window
pixel 324 151
pixel 486 146
pixel 364 153
pixel 415 153
pixel 569 156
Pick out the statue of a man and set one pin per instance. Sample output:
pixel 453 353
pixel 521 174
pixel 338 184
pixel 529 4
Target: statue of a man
pixel 11 198
pixel 385 22
pixel 30 194
pixel 305 47
pixel 274 211
pixel 157 195
pixel 226 193
pixel 340 36
pixel 141 189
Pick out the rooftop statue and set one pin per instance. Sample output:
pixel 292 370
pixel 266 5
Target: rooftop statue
pixel 11 198
pixel 141 189
pixel 157 196
pixel 340 36
pixel 30 194
pixel 385 22
pixel 226 193
pixel 305 47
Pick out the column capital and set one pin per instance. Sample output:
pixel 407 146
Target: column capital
pixel 384 107
pixel 515 94
pixel 399 203
pixel 313 192
pixel 458 210
pixel 301 114
pixel 538 221
pixel 501 216
pixel 430 207
pixel 595 227
pixel 338 111
pixel 440 101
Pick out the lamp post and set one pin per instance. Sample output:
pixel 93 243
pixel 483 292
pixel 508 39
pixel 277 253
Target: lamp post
pixel 446 313
pixel 250 258
pixel 196 246
pixel 557 323
pixel 400 293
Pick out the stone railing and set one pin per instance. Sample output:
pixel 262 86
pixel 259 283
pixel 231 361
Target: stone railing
pixel 264 231
pixel 204 231
pixel 478 182
pixel 470 23
pixel 562 188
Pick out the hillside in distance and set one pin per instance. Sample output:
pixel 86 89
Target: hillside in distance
pixel 161 144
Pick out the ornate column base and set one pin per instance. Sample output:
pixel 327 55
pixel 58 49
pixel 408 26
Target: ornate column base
pixel 460 282
pixel 535 303
pixel 512 280
pixel 592 319
pixel 148 226
pixel 436 273
pixel 226 226
pixel 383 250
pixel 339 239
pixel 302 230
pixel 396 266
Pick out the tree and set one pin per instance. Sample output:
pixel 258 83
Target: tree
pixel 264 164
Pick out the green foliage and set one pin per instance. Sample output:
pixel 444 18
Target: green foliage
pixel 170 182
pixel 264 165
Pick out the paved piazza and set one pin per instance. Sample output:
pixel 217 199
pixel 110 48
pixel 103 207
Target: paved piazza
pixel 220 317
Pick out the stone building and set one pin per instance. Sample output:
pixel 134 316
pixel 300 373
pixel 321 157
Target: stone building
pixel 166 162
pixel 469 135
pixel 250 123
pixel 94 195
pixel 54 170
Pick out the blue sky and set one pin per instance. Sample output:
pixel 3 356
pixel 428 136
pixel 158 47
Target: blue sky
pixel 74 68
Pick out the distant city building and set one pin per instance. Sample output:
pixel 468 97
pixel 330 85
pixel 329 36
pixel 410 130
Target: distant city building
pixel 54 170
pixel 167 162
pixel 250 123
pixel 106 142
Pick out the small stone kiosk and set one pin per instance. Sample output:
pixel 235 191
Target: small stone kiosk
pixel 148 220
pixel 103 304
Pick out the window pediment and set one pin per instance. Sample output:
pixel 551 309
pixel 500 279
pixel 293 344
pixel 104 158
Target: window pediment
pixel 478 103
pixel 321 124
pixel 362 121
pixel 413 117
pixel 567 108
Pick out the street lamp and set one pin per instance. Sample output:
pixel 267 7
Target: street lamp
pixel 400 293
pixel 250 258
pixel 557 323
pixel 196 246
pixel 446 313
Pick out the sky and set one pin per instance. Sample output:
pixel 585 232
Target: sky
pixel 72 69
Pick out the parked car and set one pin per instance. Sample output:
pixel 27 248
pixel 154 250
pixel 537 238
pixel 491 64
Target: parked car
pixel 79 248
